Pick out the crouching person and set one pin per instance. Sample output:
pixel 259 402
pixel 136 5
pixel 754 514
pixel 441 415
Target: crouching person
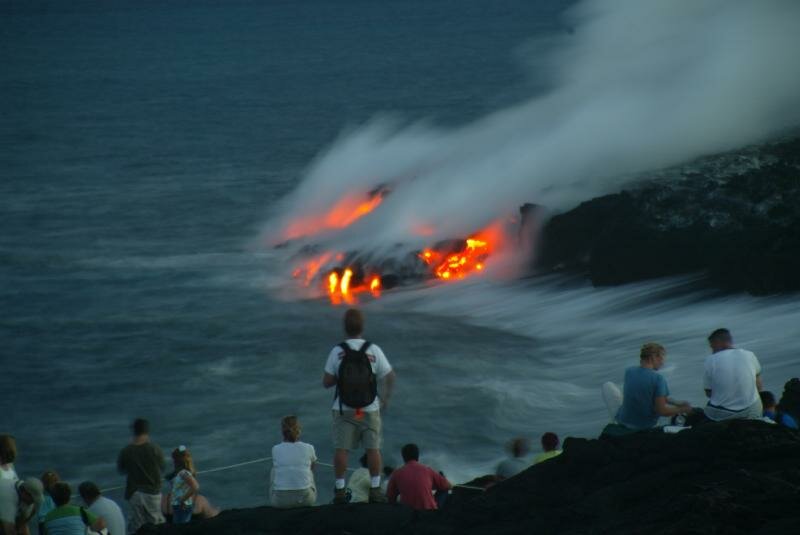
pixel 68 519
pixel 414 483
pixel 292 479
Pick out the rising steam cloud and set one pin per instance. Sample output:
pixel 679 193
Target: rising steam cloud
pixel 637 86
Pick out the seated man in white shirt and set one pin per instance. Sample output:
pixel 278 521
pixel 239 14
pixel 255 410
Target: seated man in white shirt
pixel 732 380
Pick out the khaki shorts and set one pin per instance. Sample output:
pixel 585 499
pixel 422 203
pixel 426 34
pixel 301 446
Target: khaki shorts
pixel 350 433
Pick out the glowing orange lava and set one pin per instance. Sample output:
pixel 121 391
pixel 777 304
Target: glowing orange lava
pixel 344 213
pixel 455 265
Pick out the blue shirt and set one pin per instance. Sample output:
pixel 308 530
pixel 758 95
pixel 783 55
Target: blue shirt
pixel 642 387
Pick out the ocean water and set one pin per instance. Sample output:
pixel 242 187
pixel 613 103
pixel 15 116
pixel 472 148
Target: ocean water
pixel 142 148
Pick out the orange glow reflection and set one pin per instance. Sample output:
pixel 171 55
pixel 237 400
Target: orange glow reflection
pixel 344 213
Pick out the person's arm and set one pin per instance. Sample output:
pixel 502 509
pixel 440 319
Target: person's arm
pixel 121 467
pixel 192 483
pixel 391 491
pixel 440 482
pixel 663 408
pixel 328 380
pixel 98 524
pixel 388 388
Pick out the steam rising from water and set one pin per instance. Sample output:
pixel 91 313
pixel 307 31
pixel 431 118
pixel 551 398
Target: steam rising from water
pixel 637 86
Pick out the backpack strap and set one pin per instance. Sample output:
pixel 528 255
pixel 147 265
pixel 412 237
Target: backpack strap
pixel 364 347
pixel 84 516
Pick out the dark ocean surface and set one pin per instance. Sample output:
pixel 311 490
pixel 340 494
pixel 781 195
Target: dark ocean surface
pixel 142 145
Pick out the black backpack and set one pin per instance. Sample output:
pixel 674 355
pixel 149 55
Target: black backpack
pixel 356 385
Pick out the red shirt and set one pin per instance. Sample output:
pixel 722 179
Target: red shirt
pixel 414 482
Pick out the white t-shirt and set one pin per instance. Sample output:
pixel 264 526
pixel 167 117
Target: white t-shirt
pixel 291 466
pixel 8 473
pixel 730 374
pixel 111 513
pixel 10 505
pixel 380 367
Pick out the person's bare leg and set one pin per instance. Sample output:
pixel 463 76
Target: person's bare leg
pixel 203 507
pixel 340 463
pixel 374 462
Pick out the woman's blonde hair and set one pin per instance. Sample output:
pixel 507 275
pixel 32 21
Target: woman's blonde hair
pixel 182 458
pixel 290 428
pixel 651 350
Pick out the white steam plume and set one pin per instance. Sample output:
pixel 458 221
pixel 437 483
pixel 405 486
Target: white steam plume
pixel 638 85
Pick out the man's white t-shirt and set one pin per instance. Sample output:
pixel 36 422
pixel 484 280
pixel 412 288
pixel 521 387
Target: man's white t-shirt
pixel 8 473
pixel 291 466
pixel 380 367
pixel 730 374
pixel 111 513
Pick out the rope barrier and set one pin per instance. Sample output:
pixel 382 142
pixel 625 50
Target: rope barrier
pixel 228 467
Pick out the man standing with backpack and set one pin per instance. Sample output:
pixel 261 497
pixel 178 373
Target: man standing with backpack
pixel 355 367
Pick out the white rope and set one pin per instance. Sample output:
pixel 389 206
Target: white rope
pixel 229 467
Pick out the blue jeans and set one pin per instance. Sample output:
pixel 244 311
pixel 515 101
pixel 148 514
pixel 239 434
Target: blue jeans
pixel 181 514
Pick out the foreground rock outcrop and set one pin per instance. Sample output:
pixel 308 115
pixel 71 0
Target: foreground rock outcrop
pixel 735 217
pixel 734 477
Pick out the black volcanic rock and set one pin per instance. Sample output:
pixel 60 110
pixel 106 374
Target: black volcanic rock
pixel 735 217
pixel 733 477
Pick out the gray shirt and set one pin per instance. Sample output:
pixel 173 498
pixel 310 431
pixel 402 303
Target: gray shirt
pixel 111 513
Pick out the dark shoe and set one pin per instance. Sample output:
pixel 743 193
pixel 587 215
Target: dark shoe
pixel 340 496
pixel 377 496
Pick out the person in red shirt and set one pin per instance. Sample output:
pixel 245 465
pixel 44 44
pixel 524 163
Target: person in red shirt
pixel 414 482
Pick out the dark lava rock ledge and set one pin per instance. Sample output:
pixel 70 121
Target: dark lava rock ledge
pixel 731 477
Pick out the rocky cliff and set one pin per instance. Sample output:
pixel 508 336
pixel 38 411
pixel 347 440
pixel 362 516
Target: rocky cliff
pixel 736 477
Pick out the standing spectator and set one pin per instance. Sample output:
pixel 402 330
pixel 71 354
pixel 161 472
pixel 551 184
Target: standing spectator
pixel 550 443
pixel 142 461
pixel 8 454
pixel 19 501
pixel 359 483
pixel 102 507
pixel 415 482
pixel 355 367
pixel 292 479
pixel 731 379
pixel 516 463
pixel 68 519
pixel 184 486
pixel 49 479
pixel 645 395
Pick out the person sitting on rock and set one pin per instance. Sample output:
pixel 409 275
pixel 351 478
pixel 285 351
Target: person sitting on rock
pixel 67 519
pixel 359 483
pixel 788 409
pixel 731 379
pixel 550 443
pixel 103 507
pixel 516 463
pixel 49 479
pixel 645 395
pixel 293 468
pixel 414 483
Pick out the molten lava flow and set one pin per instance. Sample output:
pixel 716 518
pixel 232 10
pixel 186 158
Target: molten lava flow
pixel 344 213
pixel 471 257
pixel 342 288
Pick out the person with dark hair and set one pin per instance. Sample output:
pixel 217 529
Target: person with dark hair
pixel 359 482
pixel 550 443
pixel 292 477
pixel 731 379
pixel 102 507
pixel 19 501
pixel 8 454
pixel 143 462
pixel 645 395
pixel 414 482
pixel 355 367
pixel 68 519
pixel 516 463
pixel 788 409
